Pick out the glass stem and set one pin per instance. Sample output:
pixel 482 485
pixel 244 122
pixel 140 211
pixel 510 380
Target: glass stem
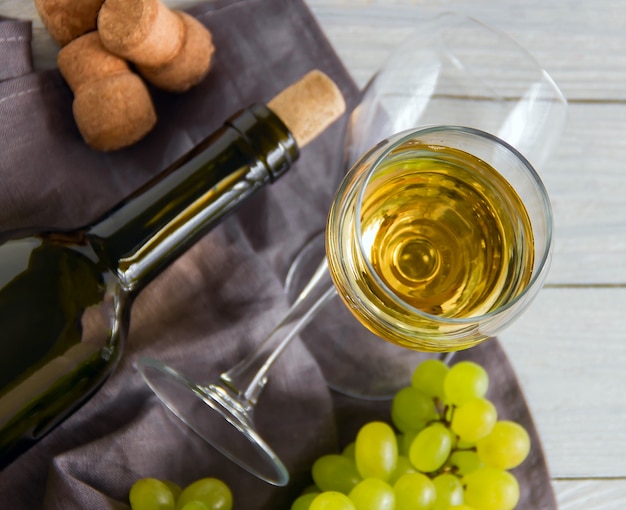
pixel 446 357
pixel 249 376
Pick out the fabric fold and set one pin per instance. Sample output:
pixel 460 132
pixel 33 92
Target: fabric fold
pixel 15 48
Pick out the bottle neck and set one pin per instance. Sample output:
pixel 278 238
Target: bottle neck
pixel 155 225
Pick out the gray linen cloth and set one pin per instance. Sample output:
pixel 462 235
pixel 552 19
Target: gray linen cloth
pixel 208 309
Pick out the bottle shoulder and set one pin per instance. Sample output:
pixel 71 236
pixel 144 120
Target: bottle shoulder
pixel 50 251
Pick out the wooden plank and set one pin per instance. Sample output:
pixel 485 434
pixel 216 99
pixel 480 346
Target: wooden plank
pixel 586 182
pixel 569 353
pixel 579 494
pixel 600 16
pixel 582 50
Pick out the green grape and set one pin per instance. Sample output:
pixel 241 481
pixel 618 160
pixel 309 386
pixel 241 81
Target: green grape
pixel 464 462
pixel 465 380
pixel 151 494
pixel 429 377
pixel 335 473
pixel 348 451
pixel 174 487
pixel 449 491
pixel 376 450
pixel 195 505
pixel 490 488
pixel 431 447
pixel 404 441
pixel 373 494
pixel 214 493
pixel 332 500
pixel 411 409
pixel 403 466
pixel 304 501
pixel 414 491
pixel 506 446
pixel 474 419
pixel 461 507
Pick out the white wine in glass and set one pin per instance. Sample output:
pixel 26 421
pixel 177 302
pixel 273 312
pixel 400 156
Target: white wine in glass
pixel 438 236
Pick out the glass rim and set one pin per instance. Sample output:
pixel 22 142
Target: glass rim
pixel 541 266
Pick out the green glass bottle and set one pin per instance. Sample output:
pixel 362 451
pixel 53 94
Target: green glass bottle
pixel 65 297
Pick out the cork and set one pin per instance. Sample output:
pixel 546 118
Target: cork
pixel 309 106
pixel 112 106
pixel 66 20
pixel 146 32
pixel 87 60
pixel 192 63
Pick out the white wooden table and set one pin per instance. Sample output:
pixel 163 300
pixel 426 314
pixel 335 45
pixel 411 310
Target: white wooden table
pixel 569 349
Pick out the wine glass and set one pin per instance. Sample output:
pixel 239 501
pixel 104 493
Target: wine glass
pixel 449 71
pixel 428 245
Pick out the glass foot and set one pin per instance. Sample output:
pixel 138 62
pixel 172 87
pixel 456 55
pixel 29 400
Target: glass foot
pixel 218 416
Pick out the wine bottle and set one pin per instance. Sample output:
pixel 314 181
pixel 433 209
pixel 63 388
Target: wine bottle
pixel 65 297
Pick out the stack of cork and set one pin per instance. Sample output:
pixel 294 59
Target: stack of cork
pixel 100 38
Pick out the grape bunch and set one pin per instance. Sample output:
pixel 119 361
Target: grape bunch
pixel 446 450
pixel 203 494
